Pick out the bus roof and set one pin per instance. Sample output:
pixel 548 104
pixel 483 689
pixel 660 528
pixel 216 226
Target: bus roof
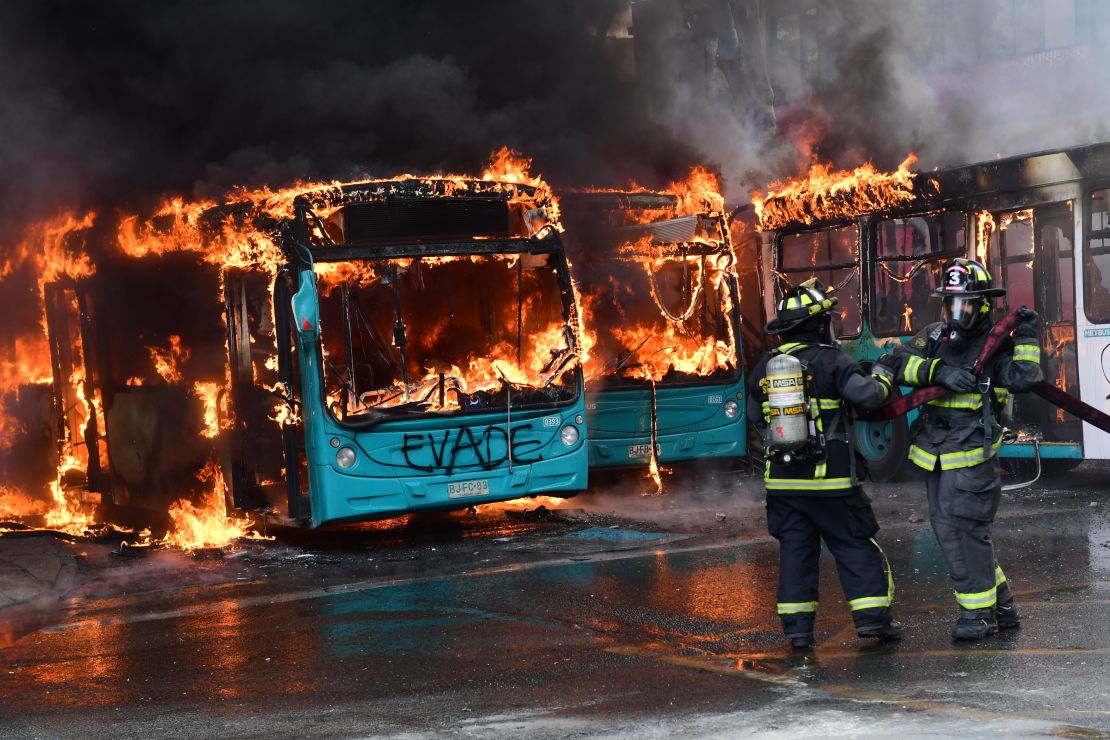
pixel 951 186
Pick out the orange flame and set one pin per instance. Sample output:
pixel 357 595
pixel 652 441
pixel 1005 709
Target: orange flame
pixel 209 395
pixel 207 524
pixel 17 505
pixel 66 513
pixel 167 361
pixel 984 227
pixel 235 236
pixel 824 194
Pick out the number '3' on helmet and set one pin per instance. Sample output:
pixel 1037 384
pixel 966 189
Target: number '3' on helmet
pixel 966 290
pixel 964 277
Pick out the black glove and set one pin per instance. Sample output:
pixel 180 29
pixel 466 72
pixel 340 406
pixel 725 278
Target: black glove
pixel 886 366
pixel 1029 328
pixel 887 360
pixel 956 379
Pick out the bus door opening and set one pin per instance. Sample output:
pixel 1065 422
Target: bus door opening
pixel 1031 255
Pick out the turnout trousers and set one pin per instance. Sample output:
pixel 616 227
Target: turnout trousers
pixel 962 505
pixel 847 525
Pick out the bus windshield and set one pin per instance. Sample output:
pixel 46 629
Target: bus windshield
pixel 444 334
pixel 657 310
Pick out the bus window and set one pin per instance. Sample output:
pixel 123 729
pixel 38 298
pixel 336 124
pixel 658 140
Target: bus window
pixel 1056 268
pixel 908 251
pixel 1011 248
pixel 832 256
pixel 468 324
pixel 1096 270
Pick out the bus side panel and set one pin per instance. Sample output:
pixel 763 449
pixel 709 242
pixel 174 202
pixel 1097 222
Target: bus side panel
pixel 691 424
pixel 1093 342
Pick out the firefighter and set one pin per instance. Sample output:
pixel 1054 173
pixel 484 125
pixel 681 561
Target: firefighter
pixel 813 492
pixel 956 438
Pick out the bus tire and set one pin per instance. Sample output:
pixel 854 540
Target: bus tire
pixel 884 444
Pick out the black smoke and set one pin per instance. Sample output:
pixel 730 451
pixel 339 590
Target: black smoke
pixel 116 104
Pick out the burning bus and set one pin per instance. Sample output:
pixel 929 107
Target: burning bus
pixel 661 300
pixel 435 333
pixel 1040 224
pixel 381 347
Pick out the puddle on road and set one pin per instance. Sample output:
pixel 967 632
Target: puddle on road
pixel 593 540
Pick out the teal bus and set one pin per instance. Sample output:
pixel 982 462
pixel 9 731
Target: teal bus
pixel 427 343
pixel 660 297
pixel 1038 221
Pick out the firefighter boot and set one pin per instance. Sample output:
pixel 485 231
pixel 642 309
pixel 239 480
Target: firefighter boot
pixel 1007 616
pixel 891 630
pixel 975 624
pixel 804 641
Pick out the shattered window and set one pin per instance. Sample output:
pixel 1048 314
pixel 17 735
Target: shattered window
pixel 909 253
pixel 832 256
pixel 444 333
pixel 1096 267
pixel 1015 249
pixel 1056 262
pixel 655 310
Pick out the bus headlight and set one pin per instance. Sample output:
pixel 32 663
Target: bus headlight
pixel 732 409
pixel 569 435
pixel 345 457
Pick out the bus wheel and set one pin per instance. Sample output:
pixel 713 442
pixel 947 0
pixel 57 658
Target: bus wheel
pixel 884 444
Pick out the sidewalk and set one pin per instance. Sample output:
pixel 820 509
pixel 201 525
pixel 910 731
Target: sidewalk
pixel 33 566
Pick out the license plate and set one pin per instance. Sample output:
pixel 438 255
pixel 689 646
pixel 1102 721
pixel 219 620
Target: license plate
pixel 639 452
pixel 465 488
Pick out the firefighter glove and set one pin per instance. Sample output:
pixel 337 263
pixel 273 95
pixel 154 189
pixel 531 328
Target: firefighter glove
pixel 1029 326
pixel 956 379
pixel 887 361
pixel 886 366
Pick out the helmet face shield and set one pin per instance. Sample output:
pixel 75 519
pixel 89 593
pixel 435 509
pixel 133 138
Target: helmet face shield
pixel 963 311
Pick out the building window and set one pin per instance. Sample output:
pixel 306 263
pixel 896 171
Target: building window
pixel 1059 23
pixel 996 29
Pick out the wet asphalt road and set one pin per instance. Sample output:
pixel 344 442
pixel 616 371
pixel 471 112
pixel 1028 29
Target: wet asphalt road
pixel 622 615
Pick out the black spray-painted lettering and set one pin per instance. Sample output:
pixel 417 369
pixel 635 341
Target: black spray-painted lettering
pixel 446 447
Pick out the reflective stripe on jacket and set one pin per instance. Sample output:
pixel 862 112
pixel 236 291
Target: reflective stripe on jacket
pixel 949 430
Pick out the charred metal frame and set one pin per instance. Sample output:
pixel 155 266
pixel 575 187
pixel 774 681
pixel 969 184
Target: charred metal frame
pixel 301 254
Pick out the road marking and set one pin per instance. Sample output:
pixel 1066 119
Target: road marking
pixel 708 664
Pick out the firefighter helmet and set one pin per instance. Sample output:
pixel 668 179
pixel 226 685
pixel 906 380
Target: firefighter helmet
pixel 809 300
pixel 965 277
pixel 966 290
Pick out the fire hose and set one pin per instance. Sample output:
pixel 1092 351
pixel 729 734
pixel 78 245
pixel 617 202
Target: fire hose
pixel 995 340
